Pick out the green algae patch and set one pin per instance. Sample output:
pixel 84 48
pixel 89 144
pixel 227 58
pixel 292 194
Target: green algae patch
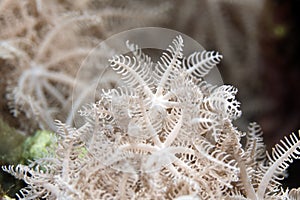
pixel 38 145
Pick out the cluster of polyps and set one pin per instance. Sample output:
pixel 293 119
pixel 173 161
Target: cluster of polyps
pixel 162 136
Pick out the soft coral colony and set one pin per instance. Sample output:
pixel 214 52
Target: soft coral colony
pixel 168 134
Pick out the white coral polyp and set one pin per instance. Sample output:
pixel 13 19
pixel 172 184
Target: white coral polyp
pixel 161 137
